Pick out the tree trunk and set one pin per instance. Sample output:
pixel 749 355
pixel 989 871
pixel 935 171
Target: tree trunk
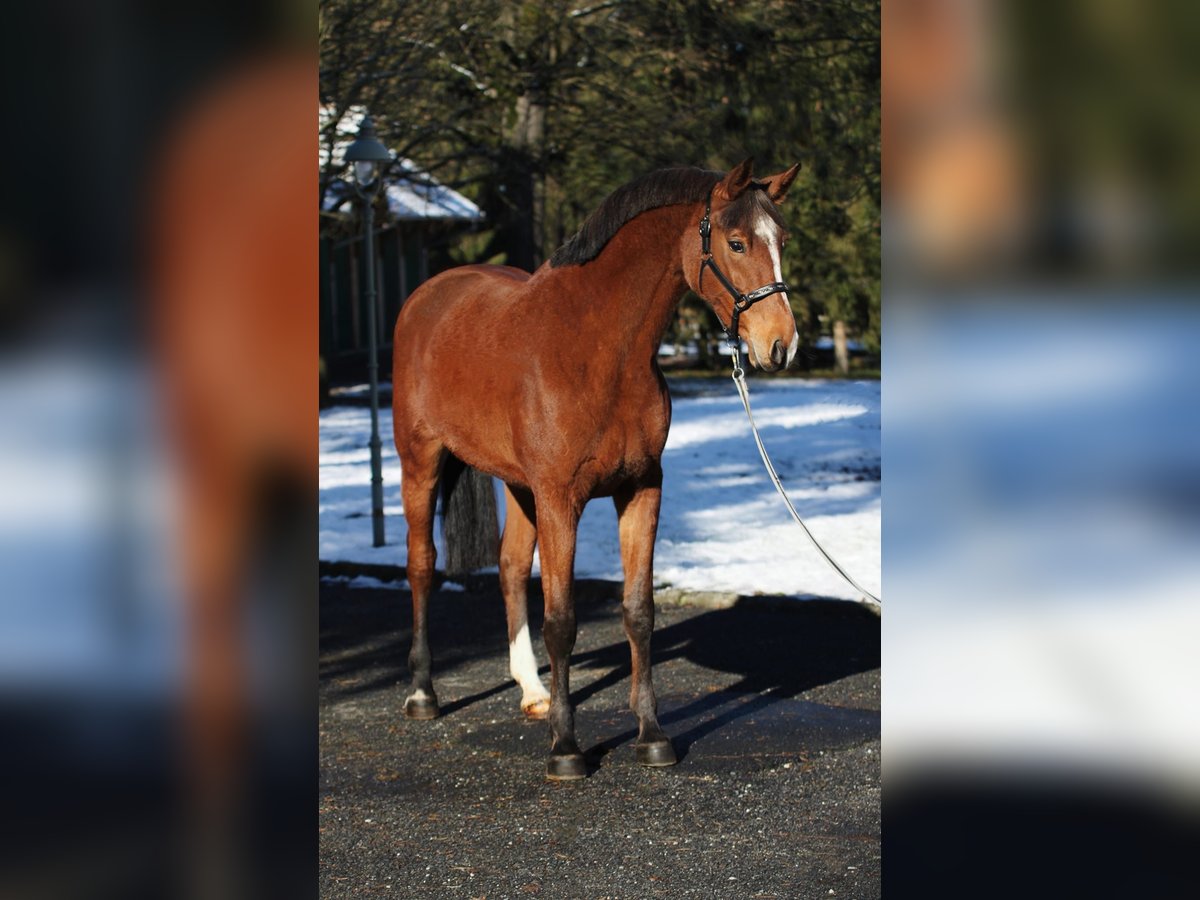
pixel 841 354
pixel 523 203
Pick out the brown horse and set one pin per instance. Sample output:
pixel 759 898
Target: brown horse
pixel 550 383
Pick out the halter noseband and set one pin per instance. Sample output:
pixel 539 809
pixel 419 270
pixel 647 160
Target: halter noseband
pixel 741 302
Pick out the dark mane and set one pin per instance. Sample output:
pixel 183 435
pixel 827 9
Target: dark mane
pixel 664 187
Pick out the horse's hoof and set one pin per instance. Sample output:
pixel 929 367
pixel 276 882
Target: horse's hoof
pixel 536 709
pixel 421 708
pixel 566 768
pixel 659 753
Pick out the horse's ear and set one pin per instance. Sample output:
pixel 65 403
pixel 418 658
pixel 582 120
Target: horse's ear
pixel 735 183
pixel 777 185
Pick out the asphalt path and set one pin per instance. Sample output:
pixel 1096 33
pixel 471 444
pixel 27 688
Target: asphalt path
pixel 773 709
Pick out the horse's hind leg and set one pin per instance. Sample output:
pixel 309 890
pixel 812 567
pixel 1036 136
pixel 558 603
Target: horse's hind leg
pixel 420 466
pixel 637 513
pixel 516 561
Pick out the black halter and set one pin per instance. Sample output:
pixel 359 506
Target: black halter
pixel 741 302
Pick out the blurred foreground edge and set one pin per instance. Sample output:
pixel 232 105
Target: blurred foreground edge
pixel 158 608
pixel 1041 443
pixel 233 261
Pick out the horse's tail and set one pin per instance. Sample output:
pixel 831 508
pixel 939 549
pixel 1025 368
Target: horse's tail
pixel 470 522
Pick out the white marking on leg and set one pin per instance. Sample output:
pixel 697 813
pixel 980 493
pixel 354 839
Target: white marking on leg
pixel 419 694
pixel 523 666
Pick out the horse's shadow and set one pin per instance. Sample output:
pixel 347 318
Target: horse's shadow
pixel 774 653
pixel 777 654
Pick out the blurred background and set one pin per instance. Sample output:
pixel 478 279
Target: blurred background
pixel 157 614
pixel 1041 445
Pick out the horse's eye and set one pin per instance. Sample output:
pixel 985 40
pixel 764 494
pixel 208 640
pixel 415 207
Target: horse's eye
pixel 737 246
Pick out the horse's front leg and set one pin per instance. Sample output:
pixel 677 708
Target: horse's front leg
pixel 558 522
pixel 420 464
pixel 637 515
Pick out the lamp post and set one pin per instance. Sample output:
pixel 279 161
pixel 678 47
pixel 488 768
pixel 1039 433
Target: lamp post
pixel 366 157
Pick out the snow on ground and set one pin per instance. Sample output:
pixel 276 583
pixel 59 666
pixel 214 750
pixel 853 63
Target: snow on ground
pixel 722 527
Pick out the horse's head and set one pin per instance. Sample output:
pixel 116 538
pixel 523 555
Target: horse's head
pixel 746 238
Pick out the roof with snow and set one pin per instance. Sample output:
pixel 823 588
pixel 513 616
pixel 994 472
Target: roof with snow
pixel 412 194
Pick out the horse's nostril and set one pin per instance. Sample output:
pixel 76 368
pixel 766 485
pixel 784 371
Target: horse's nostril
pixel 778 353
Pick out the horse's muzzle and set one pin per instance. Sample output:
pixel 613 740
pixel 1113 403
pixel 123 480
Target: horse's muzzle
pixel 773 362
pixel 778 354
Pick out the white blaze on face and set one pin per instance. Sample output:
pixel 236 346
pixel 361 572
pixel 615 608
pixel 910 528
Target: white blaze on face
pixel 768 232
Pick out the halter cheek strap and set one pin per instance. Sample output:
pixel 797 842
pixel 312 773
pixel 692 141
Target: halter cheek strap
pixel 741 302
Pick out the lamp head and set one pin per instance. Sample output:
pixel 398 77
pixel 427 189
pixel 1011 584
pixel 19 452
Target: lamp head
pixel 367 153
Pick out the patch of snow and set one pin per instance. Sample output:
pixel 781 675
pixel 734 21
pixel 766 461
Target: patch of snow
pixel 722 526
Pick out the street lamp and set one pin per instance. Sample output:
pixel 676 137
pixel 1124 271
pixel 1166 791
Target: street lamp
pixel 366 156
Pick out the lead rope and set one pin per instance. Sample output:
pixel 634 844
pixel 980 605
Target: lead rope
pixel 867 599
